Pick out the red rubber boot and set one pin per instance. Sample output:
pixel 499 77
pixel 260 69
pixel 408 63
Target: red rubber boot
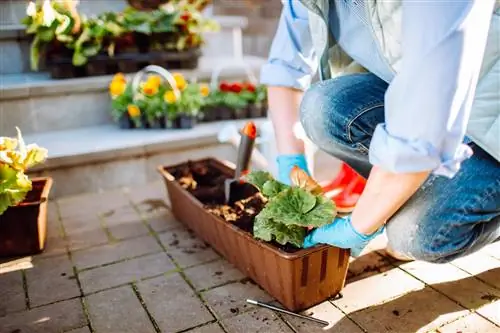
pixel 345 189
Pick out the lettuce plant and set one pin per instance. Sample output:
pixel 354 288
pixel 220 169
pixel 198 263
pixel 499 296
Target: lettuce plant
pixel 15 158
pixel 290 210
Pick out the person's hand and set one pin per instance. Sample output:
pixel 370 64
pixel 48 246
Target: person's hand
pixel 340 233
pixel 286 164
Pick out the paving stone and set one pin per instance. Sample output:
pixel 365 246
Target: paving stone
pixel 256 321
pixel 186 249
pixel 80 206
pixel 229 300
pixel 117 251
pixel 124 272
pixel 376 289
pixel 325 311
pixel 161 221
pixel 213 274
pixel 493 250
pixel 57 317
pixel 470 324
pixel 368 264
pixel 453 282
pixel 51 280
pixel 484 267
pixel 210 328
pixel 491 311
pixel 84 233
pixel 125 223
pixel 118 311
pixel 173 304
pixel 80 330
pixel 143 194
pixel 12 296
pixel 418 311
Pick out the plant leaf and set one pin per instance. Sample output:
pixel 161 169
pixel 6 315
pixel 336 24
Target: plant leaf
pixel 272 188
pixel 258 178
pixel 301 179
pixel 268 230
pixel 296 206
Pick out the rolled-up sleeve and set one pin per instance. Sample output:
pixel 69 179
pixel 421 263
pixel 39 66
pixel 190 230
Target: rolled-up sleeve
pixel 428 103
pixel 292 61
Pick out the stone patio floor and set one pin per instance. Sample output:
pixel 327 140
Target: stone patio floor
pixel 119 262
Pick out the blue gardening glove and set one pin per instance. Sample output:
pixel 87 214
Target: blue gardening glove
pixel 287 162
pixel 340 233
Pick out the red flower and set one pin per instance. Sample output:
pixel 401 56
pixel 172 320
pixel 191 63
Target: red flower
pixel 249 87
pixel 236 87
pixel 225 87
pixel 186 16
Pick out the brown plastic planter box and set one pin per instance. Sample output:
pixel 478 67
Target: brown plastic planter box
pixel 23 228
pixel 297 280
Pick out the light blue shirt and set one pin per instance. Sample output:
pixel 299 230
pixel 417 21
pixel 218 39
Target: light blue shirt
pixel 428 102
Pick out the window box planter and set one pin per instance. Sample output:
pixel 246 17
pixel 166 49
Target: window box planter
pixel 297 278
pixel 23 228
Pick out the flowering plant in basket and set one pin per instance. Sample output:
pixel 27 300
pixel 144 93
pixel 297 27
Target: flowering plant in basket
pixel 15 158
pixel 155 104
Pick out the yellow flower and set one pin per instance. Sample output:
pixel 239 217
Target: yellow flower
pixel 117 88
pixel 204 90
pixel 119 77
pixel 170 97
pixel 154 80
pixel 180 81
pixel 133 110
pixel 150 88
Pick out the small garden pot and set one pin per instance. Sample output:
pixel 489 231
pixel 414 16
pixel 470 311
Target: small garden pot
pixel 298 278
pixel 224 113
pixel 125 122
pixel 208 114
pixel 184 121
pixel 254 111
pixel 156 123
pixel 169 123
pixel 23 228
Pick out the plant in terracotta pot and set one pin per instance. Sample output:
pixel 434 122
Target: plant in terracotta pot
pixel 262 233
pixel 23 201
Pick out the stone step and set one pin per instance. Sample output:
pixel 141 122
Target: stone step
pixel 105 157
pixel 38 104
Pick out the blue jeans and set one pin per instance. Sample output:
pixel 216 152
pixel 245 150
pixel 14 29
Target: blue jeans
pixel 446 218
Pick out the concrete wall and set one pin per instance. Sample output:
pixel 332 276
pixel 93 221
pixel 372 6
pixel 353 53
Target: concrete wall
pixel 263 17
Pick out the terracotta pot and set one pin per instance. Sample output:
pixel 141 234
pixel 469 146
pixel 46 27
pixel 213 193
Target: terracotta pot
pixel 23 228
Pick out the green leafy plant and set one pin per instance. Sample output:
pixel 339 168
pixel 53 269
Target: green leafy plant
pixel 49 22
pixel 15 159
pixel 290 210
pixel 59 22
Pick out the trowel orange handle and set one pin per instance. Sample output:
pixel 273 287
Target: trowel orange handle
pixel 248 135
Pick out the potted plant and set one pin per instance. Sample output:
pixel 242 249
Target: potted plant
pixel 262 233
pixel 124 110
pixel 256 95
pixel 155 103
pixel 228 101
pixel 23 201
pixel 76 45
pixel 185 105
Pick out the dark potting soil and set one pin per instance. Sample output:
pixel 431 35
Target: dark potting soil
pixel 207 185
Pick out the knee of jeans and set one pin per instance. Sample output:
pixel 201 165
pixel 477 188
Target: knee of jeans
pixel 321 117
pixel 410 237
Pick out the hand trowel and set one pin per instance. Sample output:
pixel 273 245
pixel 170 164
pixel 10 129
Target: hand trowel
pixel 235 188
